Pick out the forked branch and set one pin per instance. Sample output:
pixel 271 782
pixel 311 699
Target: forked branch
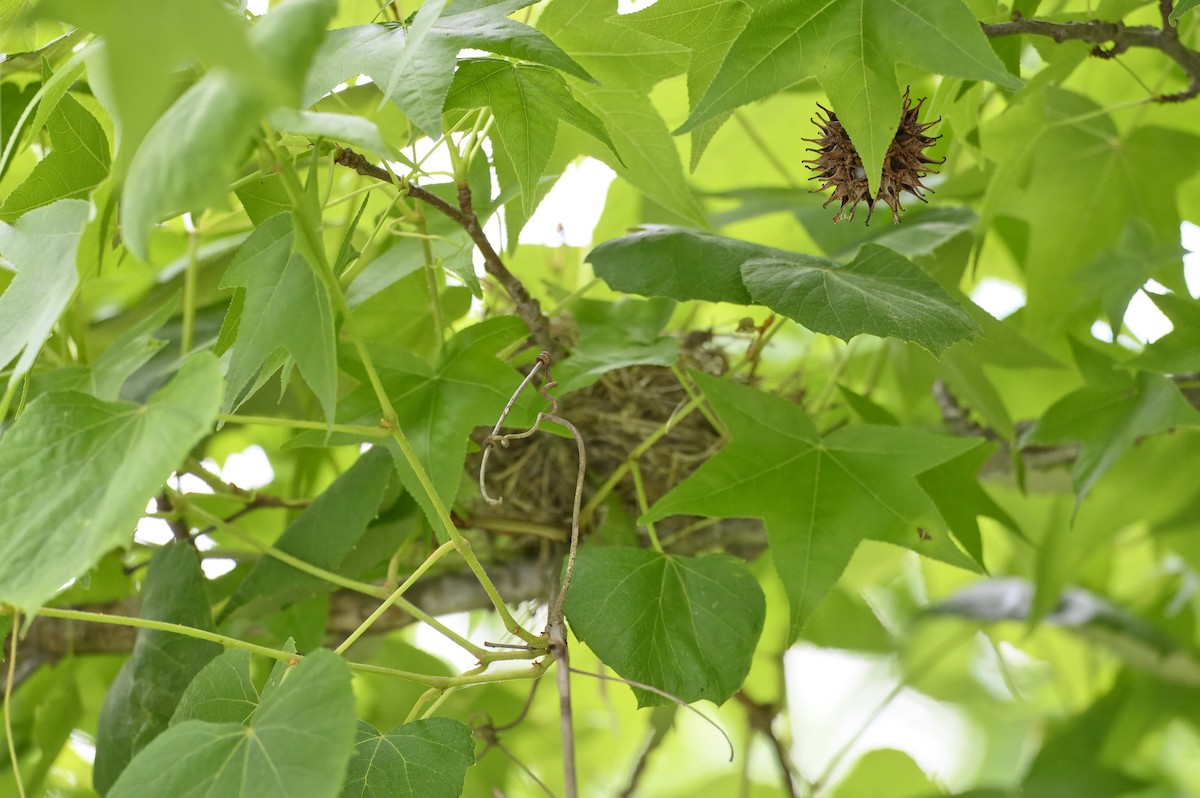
pixel 1119 37
pixel 528 308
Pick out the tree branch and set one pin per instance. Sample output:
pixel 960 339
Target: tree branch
pixel 1120 38
pixel 528 308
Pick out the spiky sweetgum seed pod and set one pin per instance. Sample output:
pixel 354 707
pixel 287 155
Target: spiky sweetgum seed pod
pixel 838 166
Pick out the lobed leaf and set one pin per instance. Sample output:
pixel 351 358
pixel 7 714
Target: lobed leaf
pixel 53 529
pixel 819 495
pixel 41 244
pixel 686 625
pixel 423 759
pixel 146 692
pixel 880 292
pixel 346 506
pixel 297 742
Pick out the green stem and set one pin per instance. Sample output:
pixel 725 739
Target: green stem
pixel 440 682
pixel 8 690
pixel 432 279
pixel 189 295
pixel 590 509
pixel 695 396
pixel 636 471
pixel 462 544
pixel 295 423
pixel 365 588
pixel 395 596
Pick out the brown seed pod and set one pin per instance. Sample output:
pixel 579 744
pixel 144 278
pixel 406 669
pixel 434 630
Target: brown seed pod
pixel 838 166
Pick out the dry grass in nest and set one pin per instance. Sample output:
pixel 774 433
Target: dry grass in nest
pixel 536 476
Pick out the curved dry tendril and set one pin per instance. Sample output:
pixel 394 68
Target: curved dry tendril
pixel 495 437
pixel 675 699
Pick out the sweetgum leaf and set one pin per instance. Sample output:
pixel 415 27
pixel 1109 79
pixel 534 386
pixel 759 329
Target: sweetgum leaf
pixel 297 742
pixel 853 48
pixel 347 505
pixel 208 126
pixel 372 50
pixel 77 162
pixel 615 335
pixel 527 101
pixel 221 692
pixel 422 759
pixel 1108 416
pixel 41 244
pixel 628 63
pixel 819 496
pixel 708 29
pixel 1177 352
pixel 879 292
pixel 53 529
pixel 686 625
pixel 147 690
pixel 286 306
pixel 146 42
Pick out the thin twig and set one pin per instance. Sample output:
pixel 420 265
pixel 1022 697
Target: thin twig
pixel 487 449
pixel 656 738
pixel 556 629
pixel 674 699
pixel 1119 37
pixel 762 719
pixel 528 308
pixel 8 690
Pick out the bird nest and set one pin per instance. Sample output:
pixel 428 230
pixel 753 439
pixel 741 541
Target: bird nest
pixel 536 476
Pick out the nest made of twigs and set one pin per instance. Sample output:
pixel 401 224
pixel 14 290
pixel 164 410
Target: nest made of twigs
pixel 536 476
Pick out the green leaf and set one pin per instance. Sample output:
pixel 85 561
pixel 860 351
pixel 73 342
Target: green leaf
pixel 1107 419
pixel 286 306
pixel 617 55
pixel 78 160
pixel 1177 352
pixel 955 489
pixel 145 42
pixel 427 73
pixel 1043 144
pixel 886 771
pixel 646 154
pixel 347 505
pixel 42 246
pixel 677 263
pixel 52 529
pixel 819 495
pixel 422 759
pixel 345 128
pixel 706 28
pixel 615 335
pixel 438 406
pixel 880 292
pixel 527 101
pixel 208 127
pixel 628 64
pixel 686 625
pixel 132 349
pixel 298 742
pixel 1181 8
pixel 145 694
pixel 221 692
pixel 853 48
